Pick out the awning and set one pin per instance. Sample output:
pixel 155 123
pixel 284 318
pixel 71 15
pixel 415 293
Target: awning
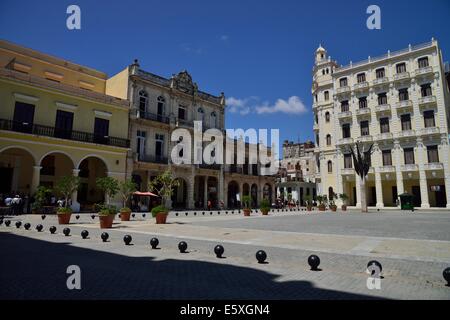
pixel 145 194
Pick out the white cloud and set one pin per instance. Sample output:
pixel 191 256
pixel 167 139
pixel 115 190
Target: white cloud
pixel 293 105
pixel 224 37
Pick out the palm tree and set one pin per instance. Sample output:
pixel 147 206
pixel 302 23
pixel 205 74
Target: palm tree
pixel 361 161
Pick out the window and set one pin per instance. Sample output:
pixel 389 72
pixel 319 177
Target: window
pixel 323 71
pixel 433 155
pixel 406 122
pixel 330 166
pixel 403 94
pixel 316 117
pixel 213 120
pixel 364 128
pixel 382 98
pixel 344 106
pixel 140 143
pixel 384 125
pixel 328 140
pixel 346 130
pixel 159 146
pixel 143 97
pixel 343 82
pixel 348 161
pixel 429 118
pixel 409 155
pixel 201 115
pixel 425 90
pixel 327 116
pixel 317 139
pixel 380 73
pixel 401 67
pixel 315 97
pixel 101 129
pixel 161 105
pixel 182 112
pixel 362 102
pixel 423 62
pixel 23 117
pixel 361 77
pixel 318 165
pixel 326 95
pixel 63 124
pixel 387 158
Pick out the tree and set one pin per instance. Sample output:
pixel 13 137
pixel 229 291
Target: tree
pixel 126 189
pixel 163 185
pixel 109 186
pixel 67 185
pixel 361 161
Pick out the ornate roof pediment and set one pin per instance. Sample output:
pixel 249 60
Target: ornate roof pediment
pixel 183 82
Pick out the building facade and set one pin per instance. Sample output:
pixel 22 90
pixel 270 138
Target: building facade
pixel 159 106
pixel 56 120
pixel 398 102
pixel 297 174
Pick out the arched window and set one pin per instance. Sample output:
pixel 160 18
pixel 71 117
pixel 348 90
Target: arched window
pixel 330 193
pixel 213 120
pixel 317 139
pixel 323 71
pixel 327 116
pixel 326 95
pixel 201 114
pixel 328 139
pixel 330 166
pixel 143 98
pixel 161 105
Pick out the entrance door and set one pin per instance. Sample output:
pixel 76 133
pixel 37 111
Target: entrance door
pixel 441 201
pixel 417 198
pixel 354 196
pixel 63 124
pixel 373 196
pixel 101 129
pixel 6 180
pixel 394 195
pixel 23 117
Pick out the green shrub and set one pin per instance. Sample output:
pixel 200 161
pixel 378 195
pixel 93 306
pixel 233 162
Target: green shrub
pixel 105 209
pixel 64 210
pixel 264 204
pixel 158 209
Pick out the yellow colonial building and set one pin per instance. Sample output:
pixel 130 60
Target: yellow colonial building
pixel 55 120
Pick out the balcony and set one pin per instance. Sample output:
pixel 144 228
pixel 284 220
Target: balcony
pixel 409 167
pixel 47 131
pixel 383 108
pixel 184 123
pixel 361 86
pixel 427 101
pixel 401 76
pixel 316 127
pixel 152 116
pixel 362 112
pixel 425 71
pixel 380 81
pixel 384 136
pixel 345 141
pixel 429 131
pixel 405 134
pixel 213 166
pixel 434 166
pixel 344 115
pixel 386 169
pixel 152 159
pixel 404 104
pixel 348 172
pixel 343 90
pixel 367 138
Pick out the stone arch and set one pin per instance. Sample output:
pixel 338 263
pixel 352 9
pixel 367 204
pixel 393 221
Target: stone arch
pixel 232 194
pixel 180 194
pixel 254 194
pixel 55 165
pixel 90 168
pixel 17 170
pixel 93 156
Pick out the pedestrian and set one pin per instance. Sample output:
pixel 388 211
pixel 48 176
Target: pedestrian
pixel 209 205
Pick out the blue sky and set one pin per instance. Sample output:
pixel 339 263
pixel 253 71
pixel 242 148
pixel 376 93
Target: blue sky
pixel 258 52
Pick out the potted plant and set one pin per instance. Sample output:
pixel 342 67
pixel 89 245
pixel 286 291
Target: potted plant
pixel 40 198
pixel 126 189
pixel 107 212
pixel 322 202
pixel 66 186
pixel 309 202
pixel 344 199
pixel 246 200
pixel 264 206
pixel 162 185
pixel 332 204
pixel 289 198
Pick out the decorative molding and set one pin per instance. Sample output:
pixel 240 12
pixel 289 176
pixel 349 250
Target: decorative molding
pixel 103 113
pixel 66 105
pixel 21 96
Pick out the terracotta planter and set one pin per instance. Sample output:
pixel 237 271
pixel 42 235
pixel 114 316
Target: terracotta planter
pixel 64 218
pixel 344 207
pixel 309 208
pixel 247 212
pixel 322 207
pixel 265 212
pixel 106 221
pixel 125 215
pixel 333 208
pixel 161 217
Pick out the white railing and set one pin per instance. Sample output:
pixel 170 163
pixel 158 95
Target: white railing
pixel 404 104
pixel 380 81
pixel 343 90
pixel 383 107
pixel 424 70
pixel 401 76
pixel 406 134
pixel 427 100
pixel 344 114
pixel 384 136
pixel 429 131
pixel 362 111
pixel 388 168
pixel 409 167
pixel 361 85
pixel 434 166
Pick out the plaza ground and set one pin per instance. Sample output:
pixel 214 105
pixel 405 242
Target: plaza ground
pixel 413 248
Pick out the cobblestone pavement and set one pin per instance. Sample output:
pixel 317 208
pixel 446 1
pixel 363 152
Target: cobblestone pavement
pixel 33 264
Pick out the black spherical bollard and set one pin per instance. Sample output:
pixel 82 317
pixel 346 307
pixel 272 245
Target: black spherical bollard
pixel 7 223
pixel 43 216
pixel 203 213
pixel 210 213
pixel 186 214
pixel 93 216
pixel 18 224
pixel 39 227
pixel 446 275
pixel 52 229
pixel 182 246
pixel 261 256
pixel 218 213
pixel 27 226
pixel 84 234
pixel 77 216
pixel 154 242
pixel 374 263
pixel 127 239
pixel 219 250
pixel 105 236
pixel 176 214
pixel 133 215
pixel 66 232
pixel 313 262
pixel 143 215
